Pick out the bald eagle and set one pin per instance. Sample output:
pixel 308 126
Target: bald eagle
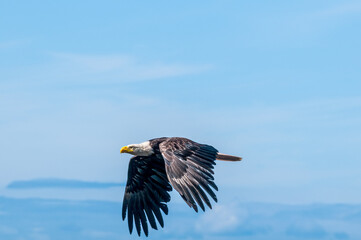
pixel 160 164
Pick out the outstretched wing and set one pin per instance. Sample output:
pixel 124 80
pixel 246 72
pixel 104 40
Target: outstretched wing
pixel 189 168
pixel 146 193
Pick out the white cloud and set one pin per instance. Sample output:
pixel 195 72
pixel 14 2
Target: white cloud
pixel 8 230
pixel 305 27
pixel 220 218
pixel 339 10
pixel 94 62
pixel 79 68
pixel 40 236
pixel 129 66
pixel 98 234
pixel 12 44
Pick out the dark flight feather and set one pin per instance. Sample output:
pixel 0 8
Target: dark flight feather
pixel 180 163
pixel 145 193
pixel 189 168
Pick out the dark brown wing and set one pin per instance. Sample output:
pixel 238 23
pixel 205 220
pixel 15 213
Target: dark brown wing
pixel 189 168
pixel 146 193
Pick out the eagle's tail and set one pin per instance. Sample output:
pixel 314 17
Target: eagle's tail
pixel 225 157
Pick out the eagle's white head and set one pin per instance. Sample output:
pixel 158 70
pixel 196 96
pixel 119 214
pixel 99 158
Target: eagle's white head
pixel 141 149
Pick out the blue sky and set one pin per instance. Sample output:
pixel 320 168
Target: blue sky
pixel 277 83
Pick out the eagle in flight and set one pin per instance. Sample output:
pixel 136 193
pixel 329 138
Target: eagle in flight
pixel 160 164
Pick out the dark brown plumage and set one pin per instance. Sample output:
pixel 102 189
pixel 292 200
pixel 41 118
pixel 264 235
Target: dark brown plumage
pixel 178 162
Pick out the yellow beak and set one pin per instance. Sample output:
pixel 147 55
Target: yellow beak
pixel 125 149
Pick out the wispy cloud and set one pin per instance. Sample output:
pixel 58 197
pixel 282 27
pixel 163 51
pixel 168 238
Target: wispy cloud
pixel 313 24
pixel 38 233
pixel 96 62
pixel 72 68
pixel 128 67
pixel 220 219
pixel 12 44
pixel 312 231
pixel 6 230
pixel 90 69
pixel 302 27
pixel 99 234
pixel 345 8
pixel 60 183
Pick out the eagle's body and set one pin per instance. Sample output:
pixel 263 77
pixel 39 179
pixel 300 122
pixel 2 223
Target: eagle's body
pixel 160 164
